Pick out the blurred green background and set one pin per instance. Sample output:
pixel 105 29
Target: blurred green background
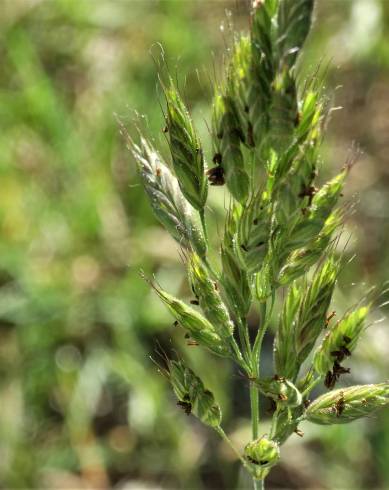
pixel 81 404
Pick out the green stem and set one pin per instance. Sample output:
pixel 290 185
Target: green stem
pixel 314 383
pixel 203 223
pixel 224 436
pixel 254 400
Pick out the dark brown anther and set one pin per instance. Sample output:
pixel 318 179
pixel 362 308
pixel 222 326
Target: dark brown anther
pixel 282 397
pixel 340 405
pixel 215 286
pixel 187 336
pixel 176 324
pixel 192 343
pixel 243 247
pixel 186 406
pixel 346 339
pixel 252 460
pixel 297 119
pixel 158 172
pixel 338 369
pixel 330 380
pixel 346 351
pixel 259 244
pixel 329 318
pixel 273 406
pixel 299 432
pixel 307 403
pixel 194 302
pixel 216 175
pixel 256 221
pixel 217 158
pixel 165 129
pixel 338 354
pixel 219 135
pixel 281 379
pixel 309 192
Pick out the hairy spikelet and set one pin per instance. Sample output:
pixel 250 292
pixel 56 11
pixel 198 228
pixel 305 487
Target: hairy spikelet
pixel 294 23
pixel 186 150
pixel 285 354
pixel 262 454
pixel 208 296
pixel 199 328
pixel 312 314
pixel 191 394
pixel 227 138
pixel 340 340
pixel 235 279
pixel 348 404
pixel 169 204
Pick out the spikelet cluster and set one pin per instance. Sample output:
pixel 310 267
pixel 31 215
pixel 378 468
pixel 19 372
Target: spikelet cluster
pixel 277 245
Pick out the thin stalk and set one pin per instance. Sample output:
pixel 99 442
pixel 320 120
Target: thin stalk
pixel 224 436
pixel 203 223
pixel 245 340
pixel 314 383
pixel 254 401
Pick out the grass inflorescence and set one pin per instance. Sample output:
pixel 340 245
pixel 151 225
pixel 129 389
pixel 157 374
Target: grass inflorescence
pixel 279 237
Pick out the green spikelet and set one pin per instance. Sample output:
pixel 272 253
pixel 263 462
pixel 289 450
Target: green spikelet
pixel 235 279
pixel 254 232
pixel 341 340
pixel 262 454
pixel 169 205
pixel 191 394
pixel 185 147
pixel 209 298
pixel 313 310
pixel 285 355
pixel 294 23
pixel 284 111
pixel 238 82
pixel 262 69
pixel 227 137
pixel 348 404
pixel 281 390
pixel 199 328
pixel 299 261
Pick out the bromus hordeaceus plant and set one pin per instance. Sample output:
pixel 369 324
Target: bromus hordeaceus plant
pixel 279 237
